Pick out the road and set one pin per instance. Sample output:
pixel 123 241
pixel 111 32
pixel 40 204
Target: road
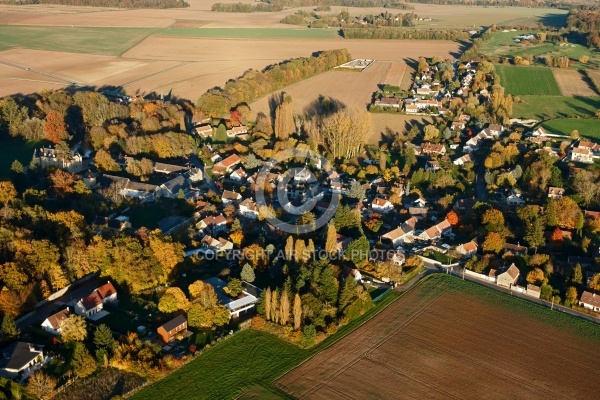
pixel 480 186
pixel 47 309
pixel 197 163
pixel 57 77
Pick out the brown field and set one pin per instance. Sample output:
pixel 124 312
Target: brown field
pixel 572 83
pixel 594 75
pixel 395 74
pixel 438 343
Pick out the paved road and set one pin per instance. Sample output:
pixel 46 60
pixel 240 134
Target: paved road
pixel 47 309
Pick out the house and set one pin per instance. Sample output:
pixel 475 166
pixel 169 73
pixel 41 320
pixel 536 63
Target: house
pixel 583 155
pixel 387 102
pixel 49 157
pixel 217 245
pixel 249 209
pixel 168 169
pixel 437 231
pixel 138 190
pixel 509 277
pixel 589 301
pixel 94 303
pixel 555 192
pixel 433 149
pixel 432 166
pixel 194 175
pixel 174 187
pixel 205 131
pixel 53 322
pixel 118 224
pixel 593 147
pixel 239 175
pixel 533 291
pixel 382 205
pixel 418 212
pixel 237 130
pixel 467 250
pixel 465 204
pixel 515 248
pixel 462 160
pixel 213 224
pixel 591 215
pixel 342 242
pixel 19 359
pixel 229 197
pixel 243 304
pixel 539 132
pixel 493 131
pixel 397 236
pixel 514 199
pixel 457 126
pixel 173 329
pixel 224 166
pixel 90 179
pixel 472 144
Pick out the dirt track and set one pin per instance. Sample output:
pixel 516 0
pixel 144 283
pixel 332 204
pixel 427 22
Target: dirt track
pixel 435 343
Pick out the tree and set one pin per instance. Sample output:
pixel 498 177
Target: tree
pixel 536 277
pixel 432 134
pixel 54 127
pixel 571 295
pixel 73 329
pixel 331 245
pixel 534 234
pixel 576 274
pixel 7 191
pixel 493 220
pixel 41 385
pixel 267 304
pixel 173 299
pixel 348 293
pixel 309 335
pixel 9 328
pixel 234 287
pixel 82 363
pixel 413 262
pixel 297 312
pixel 204 293
pixel 284 308
pixel 452 218
pixel 493 243
pixel 104 162
pixel 255 256
pixel 248 273
pixel 551 213
pixel 167 252
pixel 356 191
pixel 595 282
pixel 274 312
pixel 284 118
pixel 103 337
pixel 358 250
pixel 557 237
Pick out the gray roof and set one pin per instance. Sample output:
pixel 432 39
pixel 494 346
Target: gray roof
pixel 160 167
pixel 174 323
pixel 18 354
pixel 219 285
pixel 175 184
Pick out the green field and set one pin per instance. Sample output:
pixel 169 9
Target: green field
pixel 106 41
pixel 17 150
pixel 564 126
pixel 149 215
pixel 502 44
pixel 253 33
pixel 522 81
pixel 551 107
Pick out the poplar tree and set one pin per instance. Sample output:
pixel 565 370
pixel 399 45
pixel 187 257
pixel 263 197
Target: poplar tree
pixel 297 312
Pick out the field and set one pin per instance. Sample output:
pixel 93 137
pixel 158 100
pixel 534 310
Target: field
pixel 395 74
pixel 573 83
pixel 448 338
pixel 502 44
pixel 550 107
pixel 253 33
pixel 520 81
pixel 587 127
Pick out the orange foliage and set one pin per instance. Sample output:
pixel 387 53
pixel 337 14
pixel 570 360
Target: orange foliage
pixel 452 218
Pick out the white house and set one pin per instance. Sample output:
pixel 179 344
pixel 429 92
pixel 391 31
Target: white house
pixel 229 197
pixel 590 301
pixel 515 199
pixel 555 193
pixel 437 231
pixel 20 359
pixel 239 175
pixel 249 209
pixel 398 235
pixel 213 224
pixel 49 157
pixel 237 130
pixel 217 245
pixel 52 323
pixel 467 250
pixel 432 166
pixel 462 160
pixel 205 131
pixel 94 303
pixel 382 205
pixel 583 155
pixel 245 302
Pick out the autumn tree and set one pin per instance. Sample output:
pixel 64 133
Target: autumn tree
pixel 247 273
pixel 274 307
pixel 452 218
pixel 167 252
pixel 557 237
pixel 234 288
pixel 104 162
pixel 493 220
pixel 82 363
pixel 7 191
pixel 297 312
pixel 595 282
pixel 493 243
pixel 267 304
pixel 571 295
pixel 41 385
pixel 536 277
pixel 203 293
pixel 9 330
pixel 284 308
pixel 54 127
pixel 73 329
pixel 413 261
pixel 567 213
pixel 172 300
pixel 255 256
pixel 576 275
pixel 284 118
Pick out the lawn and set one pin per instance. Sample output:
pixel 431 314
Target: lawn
pixel 521 81
pixel 17 150
pixel 253 33
pixel 564 126
pixel 502 44
pixel 89 40
pixel 550 107
pixel 148 215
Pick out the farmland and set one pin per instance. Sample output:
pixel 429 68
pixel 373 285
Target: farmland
pixel 586 127
pixel 445 333
pixel 573 83
pixel 18 150
pixel 253 33
pixel 522 81
pixel 550 107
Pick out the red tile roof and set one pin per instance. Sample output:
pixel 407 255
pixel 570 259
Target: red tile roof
pixel 106 290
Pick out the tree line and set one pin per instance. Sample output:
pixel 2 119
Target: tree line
pixel 255 84
pixel 503 3
pixel 345 3
pixel 246 8
pixel 587 21
pixel 395 33
pixel 108 3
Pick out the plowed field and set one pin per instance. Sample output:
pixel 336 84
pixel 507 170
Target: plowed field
pixel 437 342
pixel 572 83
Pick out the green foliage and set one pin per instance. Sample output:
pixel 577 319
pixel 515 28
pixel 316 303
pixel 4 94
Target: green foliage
pixel 221 134
pixel 309 334
pixel 234 287
pixel 82 362
pixel 9 330
pixel 358 250
pixel 328 286
pixel 247 273
pixel 523 81
pixel 103 337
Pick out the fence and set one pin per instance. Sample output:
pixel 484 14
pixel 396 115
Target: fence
pixel 480 276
